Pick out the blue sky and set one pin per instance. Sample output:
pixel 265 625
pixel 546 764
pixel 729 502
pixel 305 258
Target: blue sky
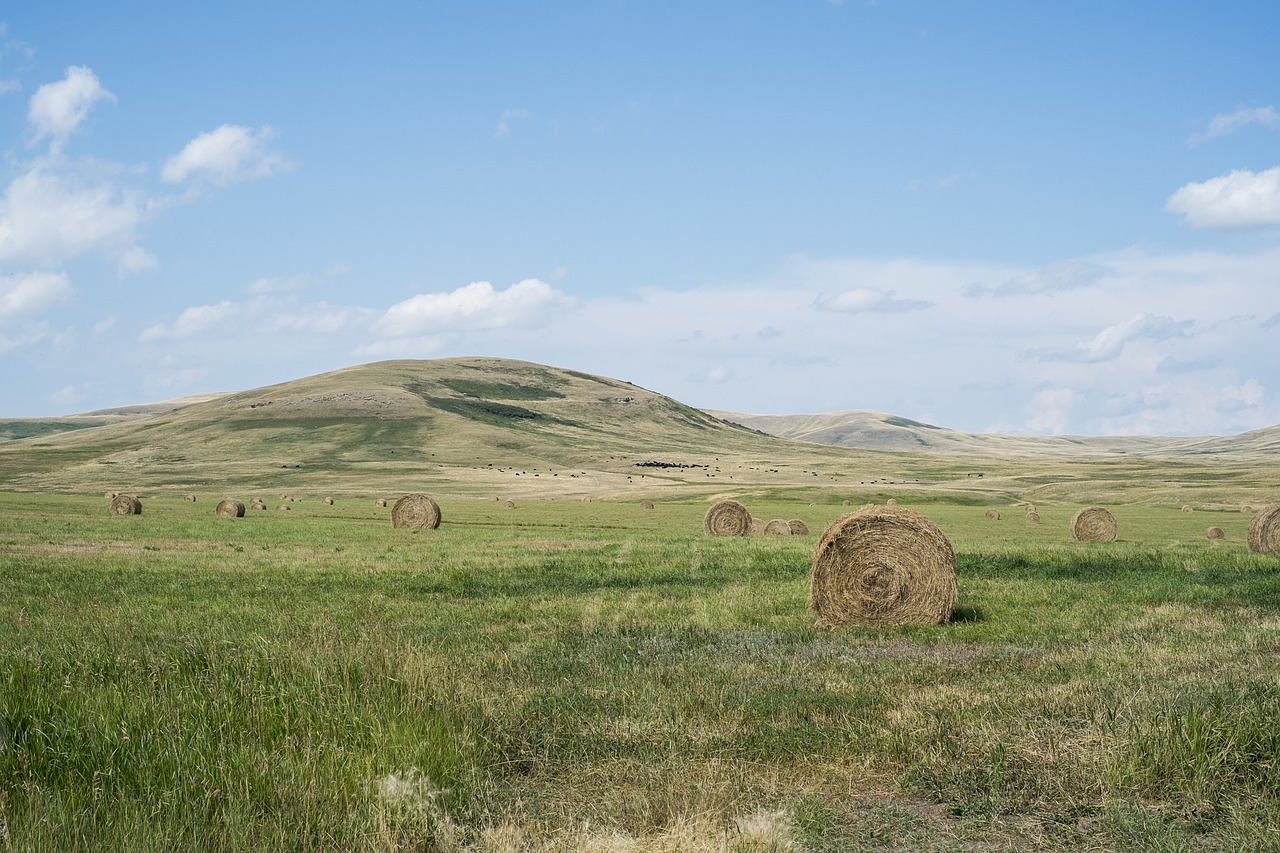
pixel 1005 216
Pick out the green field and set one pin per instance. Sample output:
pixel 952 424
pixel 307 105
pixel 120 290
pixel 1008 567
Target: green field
pixel 572 675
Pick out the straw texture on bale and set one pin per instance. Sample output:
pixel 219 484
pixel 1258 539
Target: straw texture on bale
pixel 778 527
pixel 891 502
pixel 190 498
pixel 727 518
pixel 417 511
pixel 230 508
pixel 328 501
pixel 883 566
pixel 1264 530
pixel 510 504
pixel 1093 524
pixel 126 505
pixel 646 504
pixel 798 527
pixel 380 502
pixel 1215 533
pixel 257 504
pixel 993 514
pixel 1033 517
pixel 1186 508
pixel 757 526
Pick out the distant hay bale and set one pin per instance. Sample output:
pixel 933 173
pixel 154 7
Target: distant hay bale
pixel 327 501
pixel 727 518
pixel 509 504
pixel 1264 530
pixel 380 502
pixel 190 498
pixel 778 527
pixel 1215 533
pixel 257 504
pixel 883 566
pixel 229 508
pixel 1093 524
pixel 1246 509
pixel 757 526
pixel 844 503
pixel 284 508
pixel 646 504
pixel 798 527
pixel 891 502
pixel 1033 517
pixel 1186 508
pixel 1031 507
pixel 416 511
pixel 993 514
pixel 125 505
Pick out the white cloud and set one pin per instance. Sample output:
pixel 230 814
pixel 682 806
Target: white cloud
pixel 1050 410
pixel 260 317
pixel 31 293
pixel 47 217
pixel 504 123
pixel 1239 199
pixel 1228 123
pixel 193 322
pixel 1054 278
pixel 1111 341
pixel 57 109
pixel 862 300
pixel 228 155
pixel 476 306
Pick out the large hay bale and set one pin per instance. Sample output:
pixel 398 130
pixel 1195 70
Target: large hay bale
pixel 646 504
pixel 230 508
pixel 883 566
pixel 1093 524
pixel 757 526
pixel 726 518
pixel 1033 517
pixel 416 511
pixel 778 527
pixel 123 504
pixel 1264 530
pixel 798 527
pixel 380 502
pixel 993 514
pixel 1215 533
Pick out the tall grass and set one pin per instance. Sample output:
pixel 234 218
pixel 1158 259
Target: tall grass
pixel 587 676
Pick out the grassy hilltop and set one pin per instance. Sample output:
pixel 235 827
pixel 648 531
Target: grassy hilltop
pixel 493 427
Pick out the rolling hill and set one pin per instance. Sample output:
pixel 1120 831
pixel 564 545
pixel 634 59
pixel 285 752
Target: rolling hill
pixel 482 427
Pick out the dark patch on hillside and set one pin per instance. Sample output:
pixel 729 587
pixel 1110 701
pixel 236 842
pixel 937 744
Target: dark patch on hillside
pixel 907 422
pixel 20 429
pixel 498 390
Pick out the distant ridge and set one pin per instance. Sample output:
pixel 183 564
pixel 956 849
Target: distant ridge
pixel 869 430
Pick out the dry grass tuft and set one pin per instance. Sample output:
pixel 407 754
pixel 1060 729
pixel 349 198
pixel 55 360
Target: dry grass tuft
pixel 883 566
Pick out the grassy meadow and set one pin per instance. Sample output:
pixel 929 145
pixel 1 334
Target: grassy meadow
pixel 590 676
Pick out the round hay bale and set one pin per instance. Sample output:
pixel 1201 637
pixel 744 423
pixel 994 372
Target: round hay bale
pixel 284 508
pixel 727 518
pixel 798 527
pixel 416 511
pixel 257 504
pixel 126 505
pixel 380 502
pixel 1214 533
pixel 1186 508
pixel 1031 508
pixel 844 503
pixel 1246 509
pixel 1033 517
pixel 993 514
pixel 646 504
pixel 327 501
pixel 757 526
pixel 230 508
pixel 778 527
pixel 1093 524
pixel 190 498
pixel 509 504
pixel 891 502
pixel 1264 530
pixel 883 566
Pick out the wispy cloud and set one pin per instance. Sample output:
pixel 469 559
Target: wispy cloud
pixel 229 154
pixel 476 306
pixel 57 109
pixel 1239 199
pixel 1111 341
pixel 1054 278
pixel 504 123
pixel 1228 123
pixel 868 300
